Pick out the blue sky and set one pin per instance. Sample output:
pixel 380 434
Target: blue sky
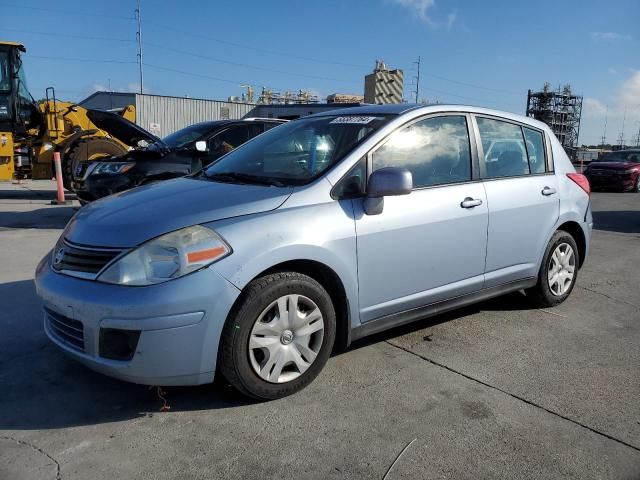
pixel 480 52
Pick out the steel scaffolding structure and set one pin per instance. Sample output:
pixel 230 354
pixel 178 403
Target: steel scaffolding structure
pixel 559 109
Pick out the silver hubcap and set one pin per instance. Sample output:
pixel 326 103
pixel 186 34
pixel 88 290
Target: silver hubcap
pixel 561 269
pixel 286 338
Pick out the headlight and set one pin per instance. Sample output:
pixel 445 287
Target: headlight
pixel 112 167
pixel 167 257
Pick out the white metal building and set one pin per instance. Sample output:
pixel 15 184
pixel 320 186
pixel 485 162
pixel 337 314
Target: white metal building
pixel 162 115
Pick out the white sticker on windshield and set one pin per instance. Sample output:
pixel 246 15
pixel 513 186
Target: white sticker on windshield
pixel 358 119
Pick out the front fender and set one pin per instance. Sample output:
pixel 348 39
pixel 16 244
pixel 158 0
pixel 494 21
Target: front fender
pixel 323 233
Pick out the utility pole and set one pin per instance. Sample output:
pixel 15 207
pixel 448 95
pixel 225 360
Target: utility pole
pixel 417 79
pixel 139 40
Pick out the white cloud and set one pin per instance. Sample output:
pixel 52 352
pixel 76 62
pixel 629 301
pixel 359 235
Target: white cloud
pixel 624 105
pixel 421 9
pixel 451 18
pixel 612 71
pixel 593 108
pixel 629 94
pixel 609 36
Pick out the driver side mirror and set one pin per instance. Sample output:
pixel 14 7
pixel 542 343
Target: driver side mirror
pixel 386 182
pixel 201 146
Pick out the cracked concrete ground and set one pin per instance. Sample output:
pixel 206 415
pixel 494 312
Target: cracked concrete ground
pixel 498 390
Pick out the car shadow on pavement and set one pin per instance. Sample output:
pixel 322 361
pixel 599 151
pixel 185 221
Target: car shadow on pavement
pixel 505 303
pixel 621 221
pixel 42 218
pixel 42 388
pixel 28 194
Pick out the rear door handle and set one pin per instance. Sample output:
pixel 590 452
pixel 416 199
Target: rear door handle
pixel 546 191
pixel 470 202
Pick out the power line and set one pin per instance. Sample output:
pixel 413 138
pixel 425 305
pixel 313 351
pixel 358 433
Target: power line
pixel 481 87
pixel 255 67
pixel 67 35
pixel 463 97
pixel 81 60
pixel 256 49
pixel 65 12
pixel 201 75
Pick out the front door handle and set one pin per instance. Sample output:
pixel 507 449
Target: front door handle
pixel 470 202
pixel 546 191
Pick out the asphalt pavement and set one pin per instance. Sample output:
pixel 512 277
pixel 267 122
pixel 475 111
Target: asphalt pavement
pixel 497 390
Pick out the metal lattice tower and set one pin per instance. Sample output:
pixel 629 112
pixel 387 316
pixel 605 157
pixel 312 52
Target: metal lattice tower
pixel 559 109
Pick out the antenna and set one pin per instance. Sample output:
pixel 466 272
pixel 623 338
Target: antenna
pixel 139 40
pixel 417 79
pixel 604 133
pixel 624 119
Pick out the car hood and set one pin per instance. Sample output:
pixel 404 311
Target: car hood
pixel 130 218
pixel 613 165
pixel 119 127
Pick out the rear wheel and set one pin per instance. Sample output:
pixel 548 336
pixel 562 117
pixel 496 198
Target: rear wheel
pixel 559 271
pixel 87 150
pixel 279 336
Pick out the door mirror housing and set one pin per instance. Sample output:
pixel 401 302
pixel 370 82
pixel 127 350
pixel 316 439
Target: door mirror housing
pixel 386 182
pixel 201 146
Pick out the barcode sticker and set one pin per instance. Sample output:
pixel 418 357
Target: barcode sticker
pixel 357 119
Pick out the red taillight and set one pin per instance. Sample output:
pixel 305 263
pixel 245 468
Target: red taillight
pixel 581 181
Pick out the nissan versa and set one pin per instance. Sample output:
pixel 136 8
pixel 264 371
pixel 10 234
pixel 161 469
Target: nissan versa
pixel 314 234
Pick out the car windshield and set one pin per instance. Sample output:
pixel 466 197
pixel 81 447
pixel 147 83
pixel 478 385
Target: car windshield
pixel 184 137
pixel 297 152
pixel 633 156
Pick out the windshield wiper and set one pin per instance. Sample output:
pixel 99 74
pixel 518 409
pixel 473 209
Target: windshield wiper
pixel 235 177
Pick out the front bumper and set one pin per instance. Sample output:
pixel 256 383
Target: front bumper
pixel 99 186
pixel 179 321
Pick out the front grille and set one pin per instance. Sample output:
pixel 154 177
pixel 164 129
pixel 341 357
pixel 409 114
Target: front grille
pixel 82 259
pixel 70 332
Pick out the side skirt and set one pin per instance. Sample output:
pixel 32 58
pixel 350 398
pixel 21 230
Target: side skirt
pixel 402 318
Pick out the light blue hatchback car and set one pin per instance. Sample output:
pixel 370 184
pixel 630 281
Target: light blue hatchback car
pixel 315 233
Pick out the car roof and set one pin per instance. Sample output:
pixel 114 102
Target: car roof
pixel 417 109
pixel 389 109
pixel 221 123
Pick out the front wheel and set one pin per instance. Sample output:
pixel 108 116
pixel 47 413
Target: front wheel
pixel 559 271
pixel 279 336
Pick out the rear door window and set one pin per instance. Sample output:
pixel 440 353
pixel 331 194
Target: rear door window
pixel 435 150
pixel 535 149
pixel 505 154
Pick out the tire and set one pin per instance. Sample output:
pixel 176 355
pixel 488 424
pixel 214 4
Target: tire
pixel 256 317
pixel 548 293
pixel 88 149
pixel 636 188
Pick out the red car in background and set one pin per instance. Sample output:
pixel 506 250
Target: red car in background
pixel 616 171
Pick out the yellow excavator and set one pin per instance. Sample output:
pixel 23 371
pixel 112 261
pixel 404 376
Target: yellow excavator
pixel 30 131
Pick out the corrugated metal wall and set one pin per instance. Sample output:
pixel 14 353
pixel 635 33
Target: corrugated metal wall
pixel 164 115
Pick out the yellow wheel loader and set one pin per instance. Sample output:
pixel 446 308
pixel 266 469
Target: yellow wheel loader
pixel 30 131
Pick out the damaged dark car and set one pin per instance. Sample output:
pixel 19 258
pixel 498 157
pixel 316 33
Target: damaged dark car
pixel 181 153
